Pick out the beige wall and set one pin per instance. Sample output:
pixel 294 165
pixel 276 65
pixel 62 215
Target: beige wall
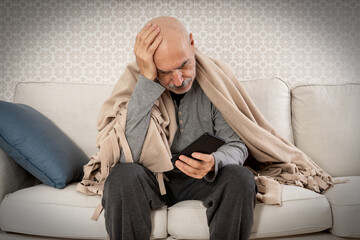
pixel 91 41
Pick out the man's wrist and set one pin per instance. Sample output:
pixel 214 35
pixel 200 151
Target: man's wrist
pixel 213 161
pixel 151 77
pixel 211 175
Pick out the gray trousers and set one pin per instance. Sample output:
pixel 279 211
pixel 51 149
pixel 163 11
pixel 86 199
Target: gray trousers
pixel 131 192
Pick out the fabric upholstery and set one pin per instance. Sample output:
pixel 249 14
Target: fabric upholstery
pixel 326 126
pixel 302 211
pixel 13 177
pixel 344 199
pixel 45 211
pixel 74 108
pixel 272 97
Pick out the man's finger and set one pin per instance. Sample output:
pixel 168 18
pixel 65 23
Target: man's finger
pixel 145 28
pixel 150 39
pixel 184 167
pixel 155 45
pixel 142 31
pixel 188 170
pixel 192 162
pixel 202 156
pixel 148 32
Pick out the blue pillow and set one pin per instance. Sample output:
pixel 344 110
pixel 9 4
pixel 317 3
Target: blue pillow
pixel 39 146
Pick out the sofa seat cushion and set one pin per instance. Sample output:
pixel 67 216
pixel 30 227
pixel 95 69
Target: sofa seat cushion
pixel 65 213
pixel 344 199
pixel 302 211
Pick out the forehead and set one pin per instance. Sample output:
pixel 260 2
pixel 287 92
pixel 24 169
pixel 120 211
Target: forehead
pixel 168 58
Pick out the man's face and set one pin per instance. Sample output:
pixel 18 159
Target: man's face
pixel 176 66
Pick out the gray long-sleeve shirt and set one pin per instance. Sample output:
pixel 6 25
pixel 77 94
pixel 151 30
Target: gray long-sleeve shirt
pixel 195 116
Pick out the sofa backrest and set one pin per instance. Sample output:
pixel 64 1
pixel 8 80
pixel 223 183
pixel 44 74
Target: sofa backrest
pixel 325 121
pixel 74 107
pixel 272 97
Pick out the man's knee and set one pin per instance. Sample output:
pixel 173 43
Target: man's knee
pixel 124 172
pixel 239 178
pixel 122 177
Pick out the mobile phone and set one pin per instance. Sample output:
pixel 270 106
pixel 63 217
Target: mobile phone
pixel 206 143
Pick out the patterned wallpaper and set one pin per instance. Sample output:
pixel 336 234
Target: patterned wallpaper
pixel 91 41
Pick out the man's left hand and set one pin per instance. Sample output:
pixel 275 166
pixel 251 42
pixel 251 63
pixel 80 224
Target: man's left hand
pixel 197 166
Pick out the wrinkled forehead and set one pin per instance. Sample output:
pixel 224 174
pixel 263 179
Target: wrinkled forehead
pixel 170 56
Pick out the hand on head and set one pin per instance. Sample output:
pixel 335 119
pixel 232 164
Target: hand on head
pixel 165 51
pixel 147 41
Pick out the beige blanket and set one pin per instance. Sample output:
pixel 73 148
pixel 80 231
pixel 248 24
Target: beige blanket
pixel 273 159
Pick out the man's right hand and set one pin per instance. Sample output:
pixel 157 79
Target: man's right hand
pixel 147 41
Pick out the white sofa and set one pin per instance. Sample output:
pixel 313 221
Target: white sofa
pixel 322 120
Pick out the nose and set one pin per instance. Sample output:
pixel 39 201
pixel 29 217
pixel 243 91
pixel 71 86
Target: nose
pixel 177 78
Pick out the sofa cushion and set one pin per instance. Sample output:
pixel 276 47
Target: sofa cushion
pixel 326 126
pixel 13 177
pixel 344 199
pixel 187 220
pixel 63 213
pixel 272 97
pixel 39 146
pixel 302 211
pixel 73 107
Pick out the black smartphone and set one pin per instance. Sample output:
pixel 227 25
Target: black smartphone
pixel 206 143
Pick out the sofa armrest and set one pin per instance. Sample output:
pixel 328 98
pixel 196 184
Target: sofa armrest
pixel 12 176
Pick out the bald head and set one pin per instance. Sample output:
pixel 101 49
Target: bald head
pixel 174 57
pixel 173 32
pixel 176 41
pixel 171 28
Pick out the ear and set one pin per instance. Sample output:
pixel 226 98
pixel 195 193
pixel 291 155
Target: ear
pixel 192 43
